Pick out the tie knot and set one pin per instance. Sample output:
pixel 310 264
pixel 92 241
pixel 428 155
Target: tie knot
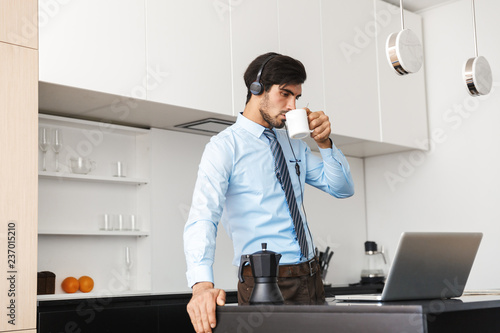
pixel 270 134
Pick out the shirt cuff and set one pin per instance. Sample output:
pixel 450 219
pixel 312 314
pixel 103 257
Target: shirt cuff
pixel 199 274
pixel 328 153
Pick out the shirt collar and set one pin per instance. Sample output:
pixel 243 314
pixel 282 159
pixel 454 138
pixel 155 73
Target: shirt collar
pixel 250 125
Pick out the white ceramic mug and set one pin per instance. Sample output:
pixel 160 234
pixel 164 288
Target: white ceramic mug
pixel 297 124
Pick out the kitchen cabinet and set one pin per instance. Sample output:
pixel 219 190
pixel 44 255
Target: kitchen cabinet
pixel 300 38
pixel 19 23
pixel 96 45
pixel 350 68
pixel 391 115
pixel 72 206
pixel 151 313
pixel 254 31
pixel 188 43
pixel 185 62
pixel 403 107
pixel 18 189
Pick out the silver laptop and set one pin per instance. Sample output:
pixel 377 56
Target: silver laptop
pixel 427 265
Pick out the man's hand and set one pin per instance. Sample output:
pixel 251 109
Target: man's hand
pixel 320 124
pixel 201 307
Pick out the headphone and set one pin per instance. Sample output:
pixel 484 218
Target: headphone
pixel 256 87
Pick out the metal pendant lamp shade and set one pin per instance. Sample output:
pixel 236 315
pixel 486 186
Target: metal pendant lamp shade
pixel 477 71
pixel 404 50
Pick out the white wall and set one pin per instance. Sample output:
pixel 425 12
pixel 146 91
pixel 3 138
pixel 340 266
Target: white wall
pixel 455 186
pixel 339 224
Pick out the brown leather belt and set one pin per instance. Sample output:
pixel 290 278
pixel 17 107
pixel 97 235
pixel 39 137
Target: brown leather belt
pixel 305 268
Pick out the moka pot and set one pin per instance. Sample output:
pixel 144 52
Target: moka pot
pixel 264 266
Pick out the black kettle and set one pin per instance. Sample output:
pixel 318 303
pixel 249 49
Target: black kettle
pixel 264 266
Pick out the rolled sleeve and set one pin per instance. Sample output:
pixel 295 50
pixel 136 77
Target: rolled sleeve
pixel 332 174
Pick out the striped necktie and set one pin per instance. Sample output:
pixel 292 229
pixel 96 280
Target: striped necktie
pixel 283 176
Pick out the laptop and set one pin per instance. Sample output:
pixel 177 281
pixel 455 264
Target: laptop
pixel 427 265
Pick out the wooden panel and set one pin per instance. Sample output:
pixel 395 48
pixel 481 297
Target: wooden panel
pixel 19 22
pixel 18 192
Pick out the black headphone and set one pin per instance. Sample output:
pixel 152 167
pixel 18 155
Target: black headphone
pixel 256 87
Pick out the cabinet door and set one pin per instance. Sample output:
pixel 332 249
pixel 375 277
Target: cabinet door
pixel 403 109
pixel 189 42
pixel 254 31
pixel 300 38
pixel 96 45
pixel 19 23
pixel 18 190
pixel 350 68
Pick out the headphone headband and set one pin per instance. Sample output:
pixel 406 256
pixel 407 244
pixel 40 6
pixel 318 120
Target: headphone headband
pixel 256 87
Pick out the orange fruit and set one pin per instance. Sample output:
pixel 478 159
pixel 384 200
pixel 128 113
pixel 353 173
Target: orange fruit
pixel 86 284
pixel 70 285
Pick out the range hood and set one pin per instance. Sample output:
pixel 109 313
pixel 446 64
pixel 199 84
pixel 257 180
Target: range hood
pixel 207 126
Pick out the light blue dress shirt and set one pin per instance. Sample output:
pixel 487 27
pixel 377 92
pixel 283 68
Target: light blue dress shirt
pixel 237 185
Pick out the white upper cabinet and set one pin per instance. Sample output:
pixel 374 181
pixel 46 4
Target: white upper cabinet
pixel 92 44
pixel 254 31
pixel 403 108
pixel 350 68
pixel 193 54
pixel 300 38
pixel 188 42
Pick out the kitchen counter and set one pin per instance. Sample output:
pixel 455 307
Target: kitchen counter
pixel 166 312
pixel 133 312
pixel 477 313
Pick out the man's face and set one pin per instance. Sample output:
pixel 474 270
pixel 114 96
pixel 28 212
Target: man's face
pixel 278 101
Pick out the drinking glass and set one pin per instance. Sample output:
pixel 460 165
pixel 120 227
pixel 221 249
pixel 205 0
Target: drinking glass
pixel 118 223
pixel 44 144
pixel 57 144
pixel 128 267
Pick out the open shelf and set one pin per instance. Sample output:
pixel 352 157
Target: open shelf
pixel 91 178
pixel 92 294
pixel 131 233
pixel 71 204
pixel 106 126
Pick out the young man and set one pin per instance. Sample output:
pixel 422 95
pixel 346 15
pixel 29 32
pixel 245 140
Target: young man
pixel 255 175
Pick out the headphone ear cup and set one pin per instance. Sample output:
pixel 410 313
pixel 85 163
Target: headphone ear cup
pixel 256 88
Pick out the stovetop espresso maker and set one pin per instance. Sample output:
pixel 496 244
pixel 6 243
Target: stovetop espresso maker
pixel 264 266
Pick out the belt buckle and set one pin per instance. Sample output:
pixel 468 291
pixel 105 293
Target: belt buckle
pixel 310 262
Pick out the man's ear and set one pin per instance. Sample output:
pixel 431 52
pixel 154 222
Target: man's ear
pixel 256 98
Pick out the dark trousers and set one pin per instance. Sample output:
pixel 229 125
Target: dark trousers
pixel 303 289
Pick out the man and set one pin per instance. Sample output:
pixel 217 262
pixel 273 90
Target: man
pixel 240 175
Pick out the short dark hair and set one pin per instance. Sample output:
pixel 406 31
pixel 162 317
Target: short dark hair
pixel 280 70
